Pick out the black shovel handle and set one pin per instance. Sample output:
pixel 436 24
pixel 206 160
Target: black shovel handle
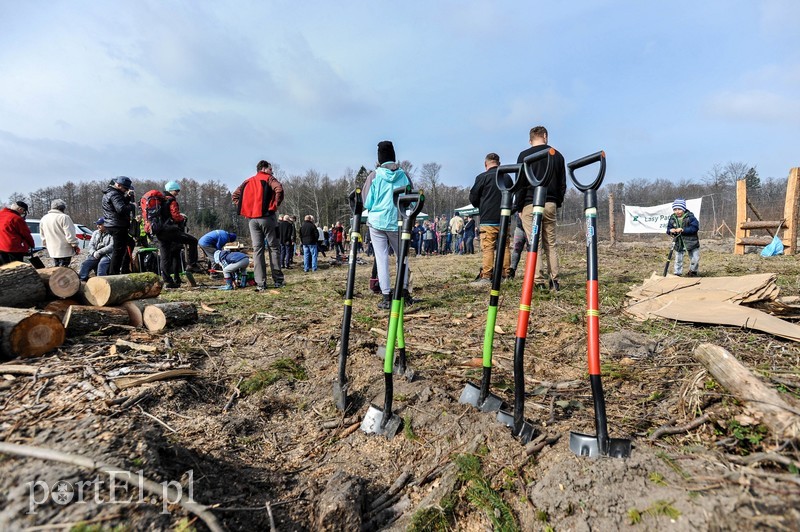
pixel 404 200
pixel 504 180
pixel 586 161
pixel 356 201
pixel 528 162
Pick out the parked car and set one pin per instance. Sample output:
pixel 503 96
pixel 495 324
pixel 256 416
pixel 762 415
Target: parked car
pixel 82 233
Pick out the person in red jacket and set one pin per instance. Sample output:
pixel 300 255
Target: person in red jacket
pixel 258 199
pixel 16 240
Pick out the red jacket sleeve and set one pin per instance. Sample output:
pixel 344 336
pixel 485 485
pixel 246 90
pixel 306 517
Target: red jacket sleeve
pixel 175 212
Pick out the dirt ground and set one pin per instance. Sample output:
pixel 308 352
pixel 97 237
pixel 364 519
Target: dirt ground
pixel 281 456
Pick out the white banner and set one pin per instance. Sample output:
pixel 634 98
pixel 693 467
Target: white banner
pixel 654 219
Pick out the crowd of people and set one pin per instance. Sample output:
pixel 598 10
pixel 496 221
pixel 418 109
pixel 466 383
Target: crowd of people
pixel 158 221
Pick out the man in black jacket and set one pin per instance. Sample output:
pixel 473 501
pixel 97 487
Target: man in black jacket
pixel 118 209
pixel 486 196
pixel 523 204
pixel 286 235
pixel 309 236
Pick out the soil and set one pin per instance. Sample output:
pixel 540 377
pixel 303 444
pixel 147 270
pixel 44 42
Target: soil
pixel 281 452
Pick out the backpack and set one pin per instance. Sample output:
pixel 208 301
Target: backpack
pixel 152 204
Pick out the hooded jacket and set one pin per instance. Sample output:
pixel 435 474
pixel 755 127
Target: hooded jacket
pixel 378 195
pixel 117 208
pixel 687 240
pixel 217 238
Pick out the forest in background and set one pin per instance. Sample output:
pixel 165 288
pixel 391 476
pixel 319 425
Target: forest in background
pixel 208 205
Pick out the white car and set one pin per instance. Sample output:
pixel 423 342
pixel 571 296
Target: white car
pixel 82 233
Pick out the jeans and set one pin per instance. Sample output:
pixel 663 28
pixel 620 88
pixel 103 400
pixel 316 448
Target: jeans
pixel 286 254
pixel 91 264
pixel 264 232
pixel 547 240
pixel 519 247
pixel 309 257
pixel 381 242
pixel 694 261
pixel 489 234
pixel 469 246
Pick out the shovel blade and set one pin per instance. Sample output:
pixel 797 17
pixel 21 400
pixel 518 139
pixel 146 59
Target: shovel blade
pixel 397 369
pixel 526 432
pixel 375 422
pixel 340 396
pixel 586 445
pixel 472 396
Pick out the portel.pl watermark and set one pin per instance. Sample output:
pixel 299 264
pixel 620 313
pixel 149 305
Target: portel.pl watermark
pixel 116 487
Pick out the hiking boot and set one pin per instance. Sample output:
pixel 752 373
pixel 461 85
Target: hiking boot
pixel 554 285
pixel 386 302
pixel 280 284
pixel 228 284
pixel 261 288
pixel 170 284
pixel 691 274
pixel 407 298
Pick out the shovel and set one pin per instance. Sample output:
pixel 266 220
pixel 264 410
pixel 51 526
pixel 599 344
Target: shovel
pixel 34 259
pixel 519 427
pixel 379 421
pixel 669 257
pixel 480 397
pixel 340 385
pixel 601 444
pixel 400 366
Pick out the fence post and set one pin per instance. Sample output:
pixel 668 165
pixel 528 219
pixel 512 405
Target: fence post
pixel 612 225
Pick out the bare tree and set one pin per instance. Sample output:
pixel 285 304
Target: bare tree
pixel 429 179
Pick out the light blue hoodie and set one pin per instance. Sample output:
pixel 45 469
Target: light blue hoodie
pixel 379 201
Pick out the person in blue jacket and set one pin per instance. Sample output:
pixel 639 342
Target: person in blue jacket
pixel 378 200
pixel 683 227
pixel 233 264
pixel 214 241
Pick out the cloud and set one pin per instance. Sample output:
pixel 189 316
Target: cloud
pixel 141 111
pixel 757 105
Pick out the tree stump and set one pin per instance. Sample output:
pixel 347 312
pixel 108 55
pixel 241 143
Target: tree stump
pixel 20 285
pixel 163 315
pixel 83 319
pixel 59 307
pixel 765 403
pixel 113 290
pixel 29 333
pixel 340 504
pixel 60 281
pixel 136 307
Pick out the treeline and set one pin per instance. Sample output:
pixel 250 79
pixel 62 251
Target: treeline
pixel 208 205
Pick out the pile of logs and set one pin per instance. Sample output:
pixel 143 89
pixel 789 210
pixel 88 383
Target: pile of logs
pixel 77 308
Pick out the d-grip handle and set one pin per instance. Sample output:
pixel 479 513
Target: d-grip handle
pixel 504 180
pixel 356 201
pixel 404 200
pixel 586 161
pixel 533 179
pixel 400 190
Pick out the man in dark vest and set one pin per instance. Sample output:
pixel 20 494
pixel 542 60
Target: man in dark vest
pixel 257 199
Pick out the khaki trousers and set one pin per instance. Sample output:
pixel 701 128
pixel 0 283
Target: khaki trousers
pixel 547 240
pixel 489 234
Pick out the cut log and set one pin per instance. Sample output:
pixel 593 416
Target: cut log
pixel 113 290
pixel 59 307
pixel 83 319
pixel 764 402
pixel 60 281
pixel 163 315
pixel 136 307
pixel 20 285
pixel 29 333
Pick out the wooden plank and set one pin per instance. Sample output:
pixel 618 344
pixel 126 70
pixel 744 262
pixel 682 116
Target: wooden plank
pixel 790 211
pixel 741 216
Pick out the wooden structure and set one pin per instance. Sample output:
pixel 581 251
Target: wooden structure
pixel 789 223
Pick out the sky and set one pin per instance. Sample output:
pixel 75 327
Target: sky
pixel 167 89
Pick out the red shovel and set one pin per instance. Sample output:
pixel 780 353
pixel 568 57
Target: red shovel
pixel 601 444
